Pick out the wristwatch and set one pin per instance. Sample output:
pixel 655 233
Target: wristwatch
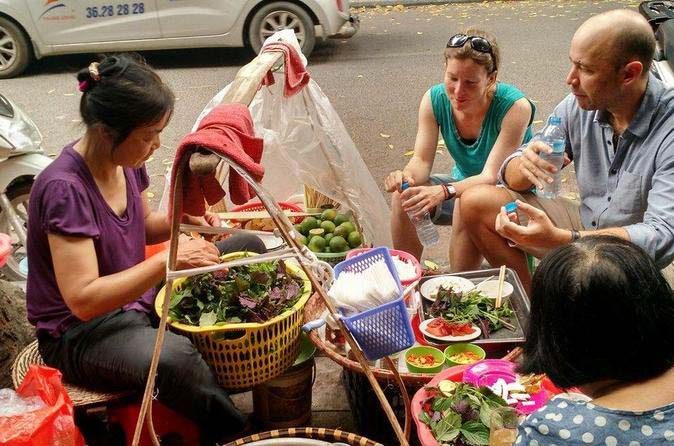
pixel 451 190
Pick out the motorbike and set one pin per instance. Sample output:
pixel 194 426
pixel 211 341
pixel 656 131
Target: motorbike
pixel 22 158
pixel 660 14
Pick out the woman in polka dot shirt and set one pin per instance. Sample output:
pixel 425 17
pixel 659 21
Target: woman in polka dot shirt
pixel 602 320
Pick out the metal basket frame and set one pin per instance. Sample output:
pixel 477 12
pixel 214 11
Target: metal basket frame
pixel 205 162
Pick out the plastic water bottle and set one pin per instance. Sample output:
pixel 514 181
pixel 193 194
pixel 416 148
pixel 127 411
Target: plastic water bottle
pixel 426 230
pixel 553 135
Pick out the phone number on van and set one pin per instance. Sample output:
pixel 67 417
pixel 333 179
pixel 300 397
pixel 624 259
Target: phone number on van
pixel 94 12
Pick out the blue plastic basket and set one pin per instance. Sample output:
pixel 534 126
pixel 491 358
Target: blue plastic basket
pixel 383 330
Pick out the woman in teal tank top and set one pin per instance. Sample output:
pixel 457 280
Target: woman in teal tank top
pixel 482 121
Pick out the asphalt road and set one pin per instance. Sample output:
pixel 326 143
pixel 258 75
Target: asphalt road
pixel 374 80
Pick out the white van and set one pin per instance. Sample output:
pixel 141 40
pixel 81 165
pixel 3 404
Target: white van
pixel 38 28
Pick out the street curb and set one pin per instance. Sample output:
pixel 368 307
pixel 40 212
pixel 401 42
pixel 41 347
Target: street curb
pixel 375 3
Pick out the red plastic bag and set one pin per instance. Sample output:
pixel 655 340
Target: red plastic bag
pixel 51 425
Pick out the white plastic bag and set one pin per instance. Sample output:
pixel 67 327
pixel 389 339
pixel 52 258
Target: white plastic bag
pixel 305 142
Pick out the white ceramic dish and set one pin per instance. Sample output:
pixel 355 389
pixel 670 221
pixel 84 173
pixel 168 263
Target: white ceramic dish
pixel 423 327
pixel 429 289
pixel 490 288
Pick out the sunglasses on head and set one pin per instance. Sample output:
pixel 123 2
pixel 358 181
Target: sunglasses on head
pixel 476 42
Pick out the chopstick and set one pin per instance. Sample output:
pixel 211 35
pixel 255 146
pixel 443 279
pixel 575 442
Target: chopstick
pixel 501 278
pixel 249 215
pixel 410 287
pixel 483 281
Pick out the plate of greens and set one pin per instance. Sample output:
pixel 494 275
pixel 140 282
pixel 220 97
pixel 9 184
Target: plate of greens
pixel 255 293
pixel 449 412
pixel 472 307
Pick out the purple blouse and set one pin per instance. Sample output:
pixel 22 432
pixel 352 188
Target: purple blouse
pixel 65 200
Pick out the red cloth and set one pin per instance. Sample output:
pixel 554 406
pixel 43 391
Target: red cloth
pixel 296 75
pixel 227 129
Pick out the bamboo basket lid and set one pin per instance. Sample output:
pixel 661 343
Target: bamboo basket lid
pixel 317 433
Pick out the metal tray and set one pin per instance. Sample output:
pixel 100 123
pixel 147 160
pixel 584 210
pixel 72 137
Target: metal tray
pixel 500 340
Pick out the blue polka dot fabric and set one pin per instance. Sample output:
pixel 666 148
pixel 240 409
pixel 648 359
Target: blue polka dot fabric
pixel 565 422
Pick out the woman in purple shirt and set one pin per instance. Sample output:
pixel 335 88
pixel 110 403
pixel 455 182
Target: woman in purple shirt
pixel 90 288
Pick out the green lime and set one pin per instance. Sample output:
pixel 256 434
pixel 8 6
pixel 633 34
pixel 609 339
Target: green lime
pixel 342 231
pixel 317 243
pixel 328 236
pixel 310 223
pixel 328 215
pixel 349 225
pixel 340 218
pixel 354 239
pixel 338 244
pixel 317 231
pixel 328 226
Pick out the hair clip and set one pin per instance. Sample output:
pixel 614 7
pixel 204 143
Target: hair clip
pixel 84 86
pixel 93 71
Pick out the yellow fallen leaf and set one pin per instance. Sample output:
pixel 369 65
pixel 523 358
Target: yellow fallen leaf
pixel 149 159
pixel 384 135
pixel 419 33
pixel 52 155
pixel 150 195
pixel 409 153
pixel 390 146
pixel 360 75
pixel 167 162
pixel 538 121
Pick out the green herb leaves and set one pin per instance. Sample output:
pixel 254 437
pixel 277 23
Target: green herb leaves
pixel 252 293
pixel 460 416
pixel 473 307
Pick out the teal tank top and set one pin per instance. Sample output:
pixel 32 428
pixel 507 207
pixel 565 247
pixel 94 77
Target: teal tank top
pixel 470 159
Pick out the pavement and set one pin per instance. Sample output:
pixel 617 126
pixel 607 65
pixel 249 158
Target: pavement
pixel 381 3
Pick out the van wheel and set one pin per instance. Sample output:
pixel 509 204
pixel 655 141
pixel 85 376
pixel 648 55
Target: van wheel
pixel 277 16
pixel 15 49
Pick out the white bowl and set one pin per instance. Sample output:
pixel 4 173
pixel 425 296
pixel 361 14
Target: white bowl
pixel 490 288
pixel 429 289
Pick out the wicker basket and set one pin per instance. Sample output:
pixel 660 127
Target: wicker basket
pixel 245 354
pixel 333 258
pixel 257 206
pixel 317 433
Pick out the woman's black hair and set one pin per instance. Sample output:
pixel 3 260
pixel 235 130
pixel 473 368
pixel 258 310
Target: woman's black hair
pixel 600 309
pixel 123 93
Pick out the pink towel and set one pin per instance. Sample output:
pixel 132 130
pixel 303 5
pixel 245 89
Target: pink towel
pixel 296 75
pixel 227 129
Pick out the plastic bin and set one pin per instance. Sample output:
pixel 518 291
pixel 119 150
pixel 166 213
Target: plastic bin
pixel 383 330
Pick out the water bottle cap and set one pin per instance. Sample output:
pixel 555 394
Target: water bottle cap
pixel 510 207
pixel 555 120
pixel 404 186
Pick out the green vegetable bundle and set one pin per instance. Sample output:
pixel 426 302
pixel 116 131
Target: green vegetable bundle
pixel 459 413
pixel 471 306
pixel 251 293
